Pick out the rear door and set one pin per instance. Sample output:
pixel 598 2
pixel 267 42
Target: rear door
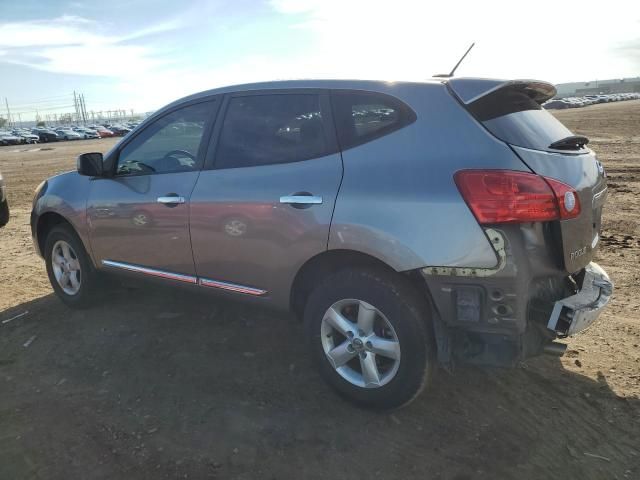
pixel 513 113
pixel 264 205
pixel 139 217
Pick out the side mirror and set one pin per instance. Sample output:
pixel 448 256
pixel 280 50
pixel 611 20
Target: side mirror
pixel 90 164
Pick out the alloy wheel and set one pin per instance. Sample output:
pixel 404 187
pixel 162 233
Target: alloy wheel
pixel 360 343
pixel 66 267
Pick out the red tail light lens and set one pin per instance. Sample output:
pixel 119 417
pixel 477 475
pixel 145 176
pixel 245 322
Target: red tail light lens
pixel 506 196
pixel 567 198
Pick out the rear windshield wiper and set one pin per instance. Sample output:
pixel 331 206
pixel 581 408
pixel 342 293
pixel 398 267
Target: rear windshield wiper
pixel 573 142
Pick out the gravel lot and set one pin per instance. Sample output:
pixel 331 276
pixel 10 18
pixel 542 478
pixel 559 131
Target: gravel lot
pixel 158 383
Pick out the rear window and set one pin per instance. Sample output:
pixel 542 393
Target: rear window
pixel 268 129
pixel 364 116
pixel 513 116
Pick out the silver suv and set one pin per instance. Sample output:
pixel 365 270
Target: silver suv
pixel 409 224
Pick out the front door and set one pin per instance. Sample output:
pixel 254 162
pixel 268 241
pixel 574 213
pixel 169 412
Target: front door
pixel 139 218
pixel 265 206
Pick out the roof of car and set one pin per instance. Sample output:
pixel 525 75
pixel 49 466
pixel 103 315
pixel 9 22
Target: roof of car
pixel 353 84
pixel 466 87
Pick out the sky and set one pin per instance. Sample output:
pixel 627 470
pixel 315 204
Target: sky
pixel 142 54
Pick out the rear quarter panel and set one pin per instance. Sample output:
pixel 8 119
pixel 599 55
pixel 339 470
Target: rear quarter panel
pixel 398 200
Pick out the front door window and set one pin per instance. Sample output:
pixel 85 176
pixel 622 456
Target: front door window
pixel 169 145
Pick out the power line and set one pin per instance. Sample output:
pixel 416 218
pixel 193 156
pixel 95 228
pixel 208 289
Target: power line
pixel 29 110
pixel 52 97
pixel 56 99
pixel 65 109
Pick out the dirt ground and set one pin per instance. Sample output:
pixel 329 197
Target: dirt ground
pixel 157 384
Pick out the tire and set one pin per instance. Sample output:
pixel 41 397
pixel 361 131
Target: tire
pixel 402 319
pixel 87 278
pixel 4 213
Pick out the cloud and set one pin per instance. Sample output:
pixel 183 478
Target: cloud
pixel 225 43
pixel 407 39
pixel 629 50
pixel 76 45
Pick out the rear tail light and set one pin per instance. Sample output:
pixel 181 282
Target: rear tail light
pixel 507 196
pixel 567 198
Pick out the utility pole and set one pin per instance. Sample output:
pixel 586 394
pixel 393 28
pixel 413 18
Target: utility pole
pixel 81 101
pixel 6 102
pixel 75 104
pixel 84 110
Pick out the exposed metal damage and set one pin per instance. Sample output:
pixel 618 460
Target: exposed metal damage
pixel 498 244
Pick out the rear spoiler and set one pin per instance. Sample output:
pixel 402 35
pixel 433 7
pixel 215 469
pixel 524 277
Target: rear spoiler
pixel 468 90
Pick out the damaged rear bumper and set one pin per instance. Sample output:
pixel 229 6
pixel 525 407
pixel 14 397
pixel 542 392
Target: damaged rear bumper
pixel 577 312
pixel 503 315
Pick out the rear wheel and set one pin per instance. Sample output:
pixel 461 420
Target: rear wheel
pixel 69 268
pixel 370 335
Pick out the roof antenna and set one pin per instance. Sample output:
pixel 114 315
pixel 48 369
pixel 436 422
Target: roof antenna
pixel 449 75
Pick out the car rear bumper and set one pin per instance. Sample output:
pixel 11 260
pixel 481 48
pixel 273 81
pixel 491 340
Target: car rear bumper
pixel 504 315
pixel 577 312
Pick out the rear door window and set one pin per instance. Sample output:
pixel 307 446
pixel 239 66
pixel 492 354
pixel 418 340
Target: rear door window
pixel 270 129
pixel 364 116
pixel 512 115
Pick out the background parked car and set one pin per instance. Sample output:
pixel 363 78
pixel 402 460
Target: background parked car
pixel 26 136
pixel 119 130
pixel 556 104
pixel 8 138
pixel 45 134
pixel 104 132
pixel 68 134
pixel 4 205
pixel 575 102
pixel 86 133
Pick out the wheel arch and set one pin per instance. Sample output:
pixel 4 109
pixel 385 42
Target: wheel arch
pixel 331 261
pixel 45 223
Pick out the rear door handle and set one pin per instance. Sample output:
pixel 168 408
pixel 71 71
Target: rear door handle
pixel 171 200
pixel 304 200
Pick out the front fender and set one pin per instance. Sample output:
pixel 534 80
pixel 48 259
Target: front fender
pixel 66 196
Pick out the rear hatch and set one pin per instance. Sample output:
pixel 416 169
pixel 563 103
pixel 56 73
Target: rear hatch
pixel 512 112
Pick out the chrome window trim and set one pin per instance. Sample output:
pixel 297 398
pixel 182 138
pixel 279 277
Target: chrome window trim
pixel 150 271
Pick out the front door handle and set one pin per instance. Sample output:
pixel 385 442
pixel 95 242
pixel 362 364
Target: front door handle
pixel 171 200
pixel 301 200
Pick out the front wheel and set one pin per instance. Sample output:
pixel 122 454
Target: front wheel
pixel 370 334
pixel 69 268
